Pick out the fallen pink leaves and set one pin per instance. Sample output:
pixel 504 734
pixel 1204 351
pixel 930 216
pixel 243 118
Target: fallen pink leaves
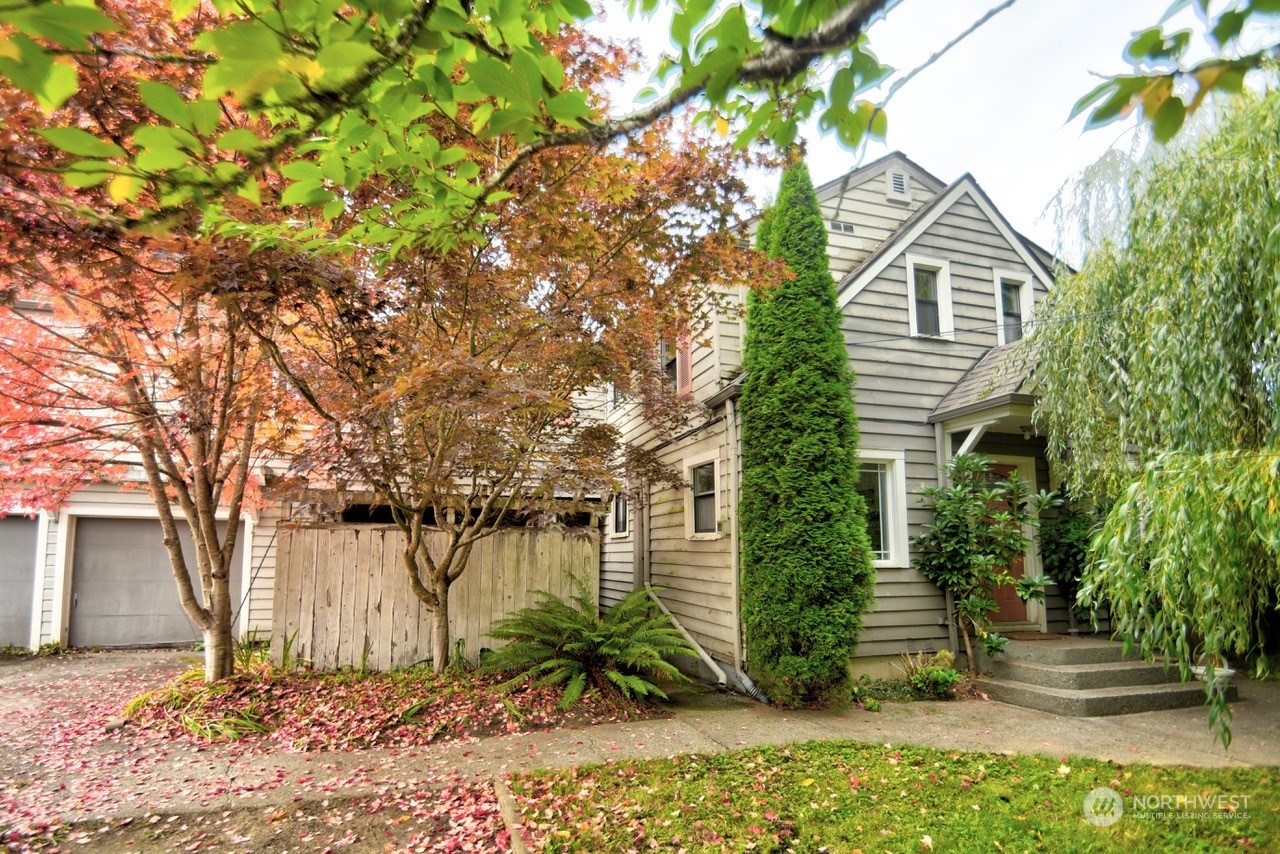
pixel 347 711
pixel 58 765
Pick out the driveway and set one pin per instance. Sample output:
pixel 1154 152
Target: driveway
pixel 58 765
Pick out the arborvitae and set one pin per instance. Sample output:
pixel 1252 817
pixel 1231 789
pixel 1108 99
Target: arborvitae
pixel 807 577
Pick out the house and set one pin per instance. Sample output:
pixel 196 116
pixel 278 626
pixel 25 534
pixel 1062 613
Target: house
pixel 936 289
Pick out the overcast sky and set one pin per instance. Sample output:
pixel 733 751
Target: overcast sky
pixel 996 105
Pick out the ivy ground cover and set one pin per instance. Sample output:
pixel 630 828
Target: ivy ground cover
pixel 846 797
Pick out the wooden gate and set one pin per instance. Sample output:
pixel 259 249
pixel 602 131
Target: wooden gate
pixel 342 594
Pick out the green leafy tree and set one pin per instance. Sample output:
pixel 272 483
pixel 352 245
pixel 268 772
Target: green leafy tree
pixel 977 531
pixel 336 97
pixel 807 573
pixel 1159 372
pixel 1166 86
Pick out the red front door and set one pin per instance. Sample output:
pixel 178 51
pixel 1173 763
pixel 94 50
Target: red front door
pixel 1009 608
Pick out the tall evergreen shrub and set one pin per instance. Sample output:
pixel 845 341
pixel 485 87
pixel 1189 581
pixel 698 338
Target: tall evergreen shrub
pixel 807 577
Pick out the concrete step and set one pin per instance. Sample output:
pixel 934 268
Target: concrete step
pixel 1060 649
pixel 1097 702
pixel 1080 677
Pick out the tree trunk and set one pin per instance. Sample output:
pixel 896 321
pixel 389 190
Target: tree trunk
pixel 219 658
pixel 968 651
pixel 440 629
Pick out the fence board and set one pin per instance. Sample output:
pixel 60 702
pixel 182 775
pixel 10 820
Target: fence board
pixel 342 589
pixel 306 578
pixel 387 597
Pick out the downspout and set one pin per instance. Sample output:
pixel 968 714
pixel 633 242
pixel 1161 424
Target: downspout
pixel 646 570
pixel 739 659
pixel 942 441
pixel 717 670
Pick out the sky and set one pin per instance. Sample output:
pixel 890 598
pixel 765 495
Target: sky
pixel 995 106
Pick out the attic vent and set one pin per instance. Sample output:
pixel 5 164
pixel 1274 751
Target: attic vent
pixel 841 227
pixel 899 185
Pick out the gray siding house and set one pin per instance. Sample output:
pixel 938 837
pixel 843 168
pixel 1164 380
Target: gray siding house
pixel 936 291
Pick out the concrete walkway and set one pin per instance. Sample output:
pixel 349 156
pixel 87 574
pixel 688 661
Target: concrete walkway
pixel 128 781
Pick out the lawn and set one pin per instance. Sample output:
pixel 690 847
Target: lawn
pixel 845 797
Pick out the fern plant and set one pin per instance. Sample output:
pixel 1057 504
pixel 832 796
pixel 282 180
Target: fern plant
pixel 626 651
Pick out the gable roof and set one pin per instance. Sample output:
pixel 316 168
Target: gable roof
pixel 1000 376
pixel 919 222
pixel 862 174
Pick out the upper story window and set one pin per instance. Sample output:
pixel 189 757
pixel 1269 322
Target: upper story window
pixel 677 363
pixel 926 282
pixel 929 297
pixel 839 227
pixel 897 185
pixel 620 514
pixel 1013 304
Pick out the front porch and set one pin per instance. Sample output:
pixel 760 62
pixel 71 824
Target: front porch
pixel 989 412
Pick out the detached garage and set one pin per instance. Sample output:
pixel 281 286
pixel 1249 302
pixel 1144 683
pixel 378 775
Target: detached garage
pixel 18 536
pixel 122 587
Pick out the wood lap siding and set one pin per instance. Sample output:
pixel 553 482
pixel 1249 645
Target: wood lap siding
pixel 342 598
pixel 900 381
pixel 617 573
pixel 696 576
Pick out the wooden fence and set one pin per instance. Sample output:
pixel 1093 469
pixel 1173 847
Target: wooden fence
pixel 342 595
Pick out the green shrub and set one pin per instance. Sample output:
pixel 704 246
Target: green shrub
pixel 976 532
pixel 931 677
pixel 807 576
pixel 627 651
pixel 1064 549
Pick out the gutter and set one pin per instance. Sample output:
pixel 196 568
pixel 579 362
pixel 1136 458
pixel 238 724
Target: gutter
pixel 721 679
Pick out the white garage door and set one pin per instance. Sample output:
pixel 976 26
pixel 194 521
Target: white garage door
pixel 122 588
pixel 17 579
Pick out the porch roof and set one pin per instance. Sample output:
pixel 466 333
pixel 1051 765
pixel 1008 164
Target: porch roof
pixel 1001 377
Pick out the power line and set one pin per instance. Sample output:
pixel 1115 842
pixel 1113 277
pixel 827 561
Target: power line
pixel 975 330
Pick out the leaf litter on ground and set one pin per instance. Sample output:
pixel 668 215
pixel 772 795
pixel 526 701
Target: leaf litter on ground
pixel 63 774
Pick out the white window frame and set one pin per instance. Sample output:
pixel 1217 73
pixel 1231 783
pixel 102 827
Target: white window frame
pixel 612 519
pixel 1026 297
pixel 890 192
pixel 691 463
pixel 946 319
pixel 895 463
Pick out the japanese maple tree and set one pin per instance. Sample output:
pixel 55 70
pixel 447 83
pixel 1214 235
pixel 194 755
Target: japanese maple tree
pixel 464 388
pixel 125 357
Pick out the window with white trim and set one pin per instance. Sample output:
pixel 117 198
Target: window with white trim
pixel 702 482
pixel 929 297
pixel 882 483
pixel 676 359
pixel 1014 297
pixel 702 496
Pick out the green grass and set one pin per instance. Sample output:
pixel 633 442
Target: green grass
pixel 845 797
